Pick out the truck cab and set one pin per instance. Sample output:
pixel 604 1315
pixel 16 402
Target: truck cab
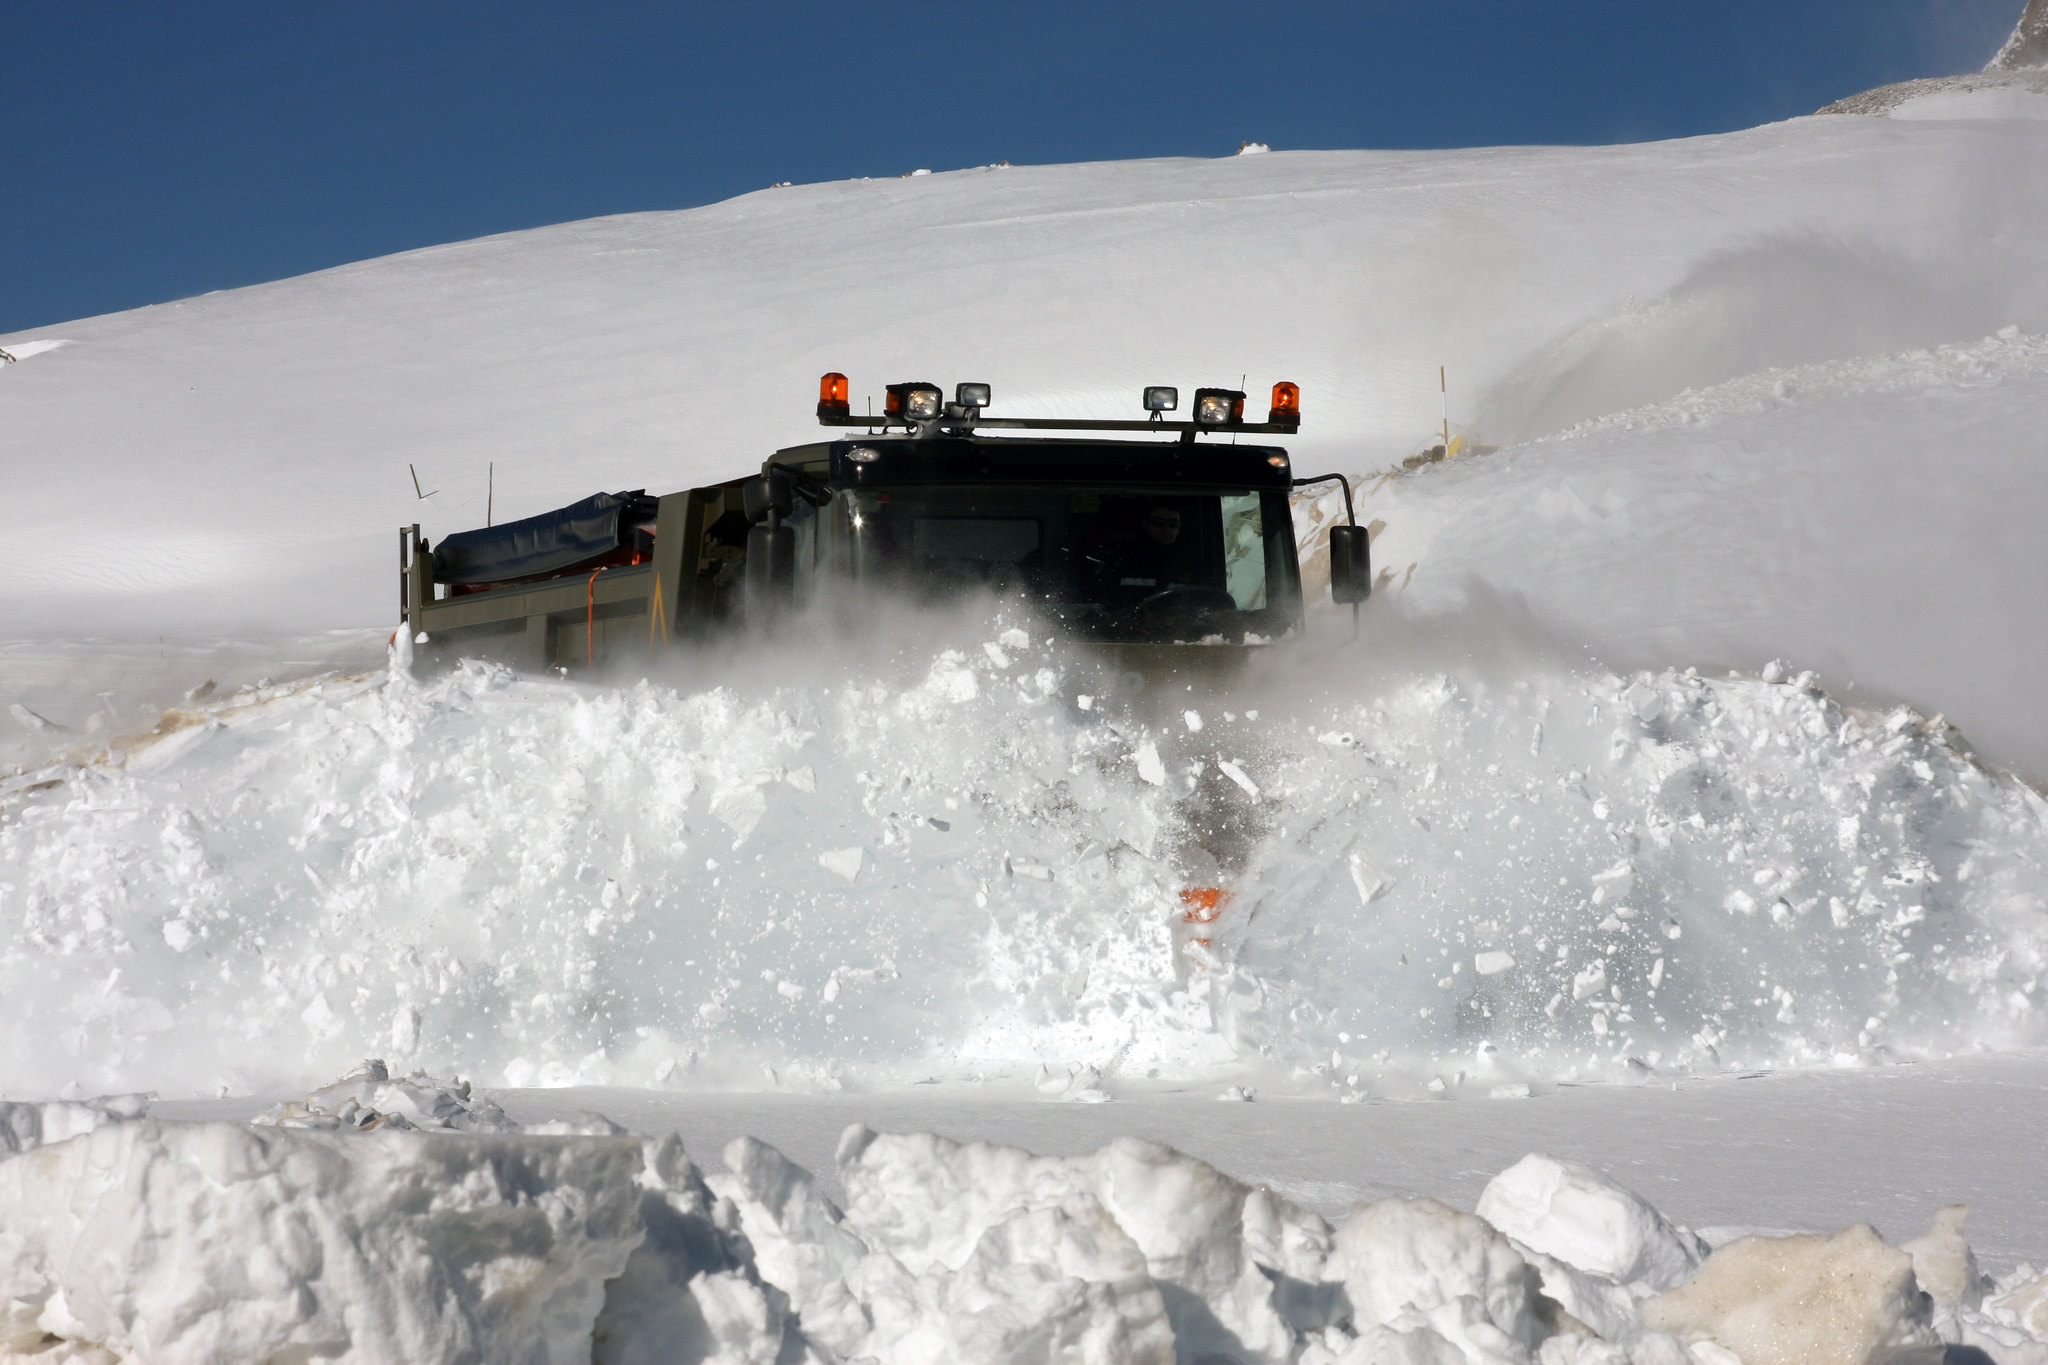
pixel 1125 541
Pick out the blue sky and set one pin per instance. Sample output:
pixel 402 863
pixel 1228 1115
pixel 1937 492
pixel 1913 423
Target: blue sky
pixel 151 151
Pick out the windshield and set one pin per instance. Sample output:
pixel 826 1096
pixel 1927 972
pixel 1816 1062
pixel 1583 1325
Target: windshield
pixel 1123 564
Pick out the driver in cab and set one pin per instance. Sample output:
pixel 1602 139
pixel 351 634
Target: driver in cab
pixel 1149 558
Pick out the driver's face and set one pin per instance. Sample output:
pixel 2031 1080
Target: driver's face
pixel 1162 526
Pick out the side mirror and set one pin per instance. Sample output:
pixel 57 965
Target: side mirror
pixel 1350 564
pixel 765 493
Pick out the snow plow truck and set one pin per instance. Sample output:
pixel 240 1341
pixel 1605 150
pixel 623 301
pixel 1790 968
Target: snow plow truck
pixel 1151 537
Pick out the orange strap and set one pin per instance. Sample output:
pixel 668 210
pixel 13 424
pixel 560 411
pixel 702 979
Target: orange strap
pixel 590 622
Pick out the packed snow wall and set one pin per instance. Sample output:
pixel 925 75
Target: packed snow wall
pixel 950 848
pixel 305 1236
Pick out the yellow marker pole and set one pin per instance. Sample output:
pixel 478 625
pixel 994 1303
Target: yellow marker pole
pixel 1444 385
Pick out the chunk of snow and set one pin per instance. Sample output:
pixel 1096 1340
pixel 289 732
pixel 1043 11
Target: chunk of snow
pixel 1582 1218
pixel 1406 1263
pixel 1943 1263
pixel 1239 776
pixel 1151 767
pixel 210 1241
pixel 843 862
pixel 1801 1300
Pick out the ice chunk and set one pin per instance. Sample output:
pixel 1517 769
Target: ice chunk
pixel 1943 1262
pixel 689 1291
pixel 26 1124
pixel 1577 1215
pixel 33 720
pixel 799 1243
pixel 928 1202
pixel 842 862
pixel 739 807
pixel 1150 766
pixel 369 1098
pixel 1801 1300
pixel 2026 1303
pixel 1408 1263
pixel 211 1241
pixel 1238 775
pixel 1057 1283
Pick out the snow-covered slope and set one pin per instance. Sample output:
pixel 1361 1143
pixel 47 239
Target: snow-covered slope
pixel 234 464
pixel 1864 516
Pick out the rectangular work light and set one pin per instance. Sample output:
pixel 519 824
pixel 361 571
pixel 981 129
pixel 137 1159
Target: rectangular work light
pixel 1215 407
pixel 913 402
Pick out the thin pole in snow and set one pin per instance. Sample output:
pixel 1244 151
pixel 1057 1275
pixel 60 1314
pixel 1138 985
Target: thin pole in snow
pixel 1444 385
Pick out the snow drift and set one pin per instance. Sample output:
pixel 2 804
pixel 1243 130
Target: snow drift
pixel 824 867
pixel 340 1229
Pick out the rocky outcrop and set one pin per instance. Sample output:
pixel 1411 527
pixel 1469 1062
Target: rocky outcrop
pixel 2021 64
pixel 2028 46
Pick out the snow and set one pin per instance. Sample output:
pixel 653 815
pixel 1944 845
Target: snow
pixel 328 1229
pixel 252 443
pixel 1801 1300
pixel 209 1242
pixel 1808 502
pixel 2005 102
pixel 17 351
pixel 1568 1211
pixel 1637 821
pixel 1573 877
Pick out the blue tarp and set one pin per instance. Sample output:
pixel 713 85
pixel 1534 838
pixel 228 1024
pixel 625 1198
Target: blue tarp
pixel 548 543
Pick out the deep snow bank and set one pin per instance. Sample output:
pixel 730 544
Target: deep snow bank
pixel 832 865
pixel 340 1230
